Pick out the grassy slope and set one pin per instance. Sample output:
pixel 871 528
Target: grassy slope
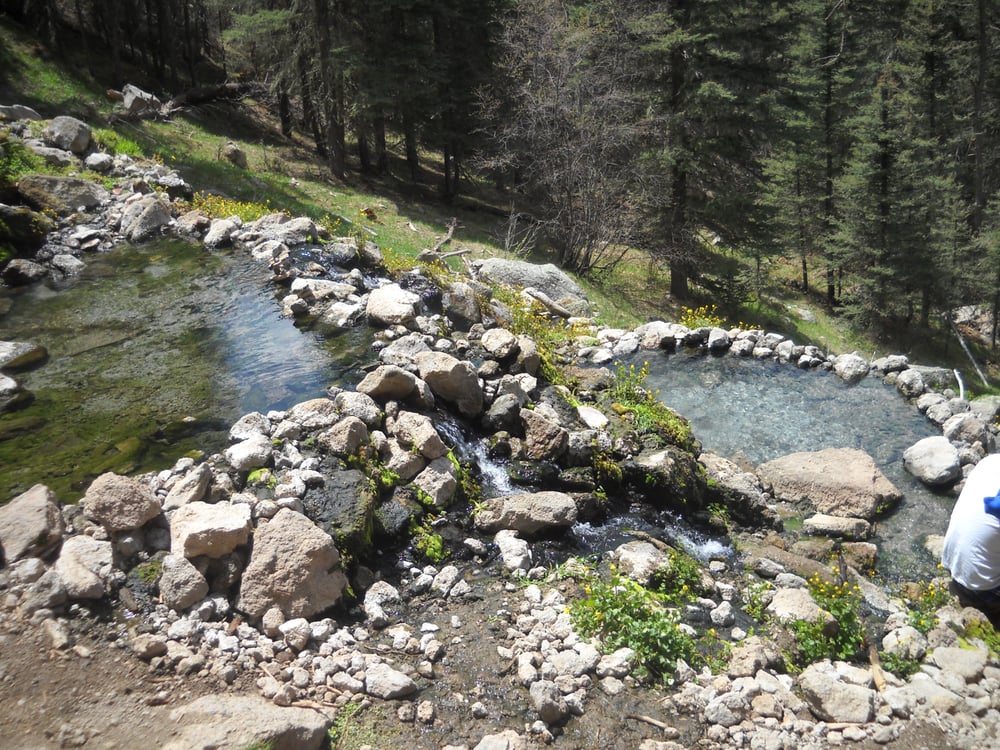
pixel 286 174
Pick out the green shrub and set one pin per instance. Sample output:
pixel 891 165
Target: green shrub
pixel 16 159
pixel 843 601
pixel 115 143
pixel 923 602
pixel 621 612
pixel 650 415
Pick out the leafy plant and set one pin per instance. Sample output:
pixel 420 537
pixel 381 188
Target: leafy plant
pixel 701 317
pixel 984 631
pixel 923 602
pixel 755 599
pixel 620 612
pixel 842 600
pixel 16 159
pixel 680 581
pixel 900 665
pixel 342 723
pixel 630 395
pixel 217 206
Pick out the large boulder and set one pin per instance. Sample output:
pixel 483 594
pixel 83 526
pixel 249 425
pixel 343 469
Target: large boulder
pixel 64 195
pixel 835 481
pixel 527 513
pixel 832 699
pixel 68 133
pixel 139 103
pixel 544 438
pixel 85 567
pixel 21 355
pixel 142 219
pixel 344 506
pixel 30 525
pixel 212 530
pixel 23 228
pixel 391 305
pixel 417 431
pixel 667 476
pixel 851 368
pixel 22 272
pixel 244 721
pixel 120 503
pixel 452 379
pixel 181 584
pixel 388 382
pixel 739 491
pixel 934 461
pixel 294 566
pixel 969 429
pixel 437 482
pixel 18 112
pixel 548 279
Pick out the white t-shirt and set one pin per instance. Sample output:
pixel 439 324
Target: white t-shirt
pixel 972 543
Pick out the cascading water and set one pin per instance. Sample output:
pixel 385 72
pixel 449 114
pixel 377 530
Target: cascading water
pixel 743 408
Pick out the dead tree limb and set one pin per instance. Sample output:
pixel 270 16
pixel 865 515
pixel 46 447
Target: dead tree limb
pixel 452 226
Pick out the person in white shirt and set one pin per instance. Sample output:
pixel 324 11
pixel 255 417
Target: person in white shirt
pixel 972 543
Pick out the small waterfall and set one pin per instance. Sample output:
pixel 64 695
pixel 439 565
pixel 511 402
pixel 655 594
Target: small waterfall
pixel 493 476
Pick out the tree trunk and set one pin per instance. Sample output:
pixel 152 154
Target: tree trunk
pixel 310 120
pixel 381 153
pixel 364 152
pixel 412 157
pixel 332 93
pixel 285 113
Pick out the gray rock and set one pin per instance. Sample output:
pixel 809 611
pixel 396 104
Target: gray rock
pixel 85 566
pixel 641 561
pixel 181 584
pixel 548 279
pixel 934 461
pixel 18 112
pixel 460 301
pixel 417 431
pixel 967 663
pixel 836 481
pixel 21 272
pixel 438 482
pixel 23 228
pixel 527 513
pixel 198 528
pixel 30 525
pixel 499 343
pixel 220 233
pixel 391 305
pixel 252 453
pixel 64 195
pixel 359 405
pixel 240 721
pixel 119 503
pixel 190 488
pixel 910 383
pixel 377 597
pixel 314 414
pixel 515 553
pixel 99 162
pixel 969 429
pixel 545 439
pixel 831 699
pixel 548 701
pixel 344 438
pixel 388 382
pixel 727 710
pixel 69 265
pixel 788 605
pixel 142 220
pixel 68 133
pixel 281 228
pixel 453 380
pixel 851 368
pixel 21 355
pixel 837 526
pixel 139 103
pixel 382 681
pixel 293 566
